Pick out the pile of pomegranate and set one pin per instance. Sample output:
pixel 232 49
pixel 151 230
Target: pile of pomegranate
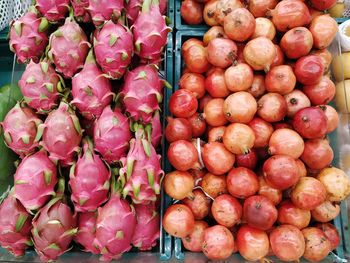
pixel 248 133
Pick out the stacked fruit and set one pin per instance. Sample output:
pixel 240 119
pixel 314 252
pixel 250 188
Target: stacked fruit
pixel 248 136
pixel 87 128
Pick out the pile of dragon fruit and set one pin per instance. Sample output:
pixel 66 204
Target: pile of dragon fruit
pixel 87 128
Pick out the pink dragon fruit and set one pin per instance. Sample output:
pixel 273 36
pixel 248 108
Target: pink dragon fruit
pixel 91 90
pixel 61 134
pixel 147 228
pixel 53 10
pixel 15 226
pixel 142 92
pixel 89 180
pixel 113 46
pixel 35 180
pixel 40 86
pixel 103 10
pixel 80 12
pixel 112 135
pixel 87 232
pixel 115 227
pixel 69 47
pixel 28 37
pixel 150 32
pixel 54 228
pixel 141 172
pixel 134 7
pixel 20 129
pixel 155 136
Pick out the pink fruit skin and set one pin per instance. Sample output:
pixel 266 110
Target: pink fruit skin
pixel 69 47
pixel 15 226
pixel 89 181
pixel 20 129
pixel 112 135
pixel 91 90
pixel 133 8
pixel 80 12
pixel 35 179
pixel 142 92
pixel 156 125
pixel 54 227
pixel 115 227
pixel 147 228
pixel 61 135
pixel 103 10
pixel 141 172
pixel 53 10
pixel 30 40
pixel 39 85
pixel 150 34
pixel 113 46
pixel 87 231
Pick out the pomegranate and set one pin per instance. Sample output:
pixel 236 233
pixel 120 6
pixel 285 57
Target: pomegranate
pixel 259 53
pixel 296 100
pixel 239 77
pixel 264 28
pixel 179 185
pixel 317 245
pixel 218 243
pixel 287 243
pixel 191 12
pixel 198 175
pixel 178 129
pixel 257 89
pixel 259 212
pixel 308 193
pixel 182 155
pixel 297 42
pixel 214 185
pixel 193 82
pixel 289 214
pixel 262 130
pixel 259 8
pixel 178 221
pixel 253 244
pixel 273 194
pixel 240 48
pixel 301 168
pixel 209 13
pixel 310 123
pixel 280 79
pixel 216 134
pixel 199 204
pixel 183 103
pixel 323 5
pixel 240 107
pixel 203 102
pixel 214 112
pixel 221 52
pixel 317 154
pixel 322 92
pixel 195 57
pixel 215 84
pixel 325 212
pixel 226 210
pixel 279 58
pixel 242 182
pixel 272 107
pixel 332 117
pixel 326 57
pixel 193 242
pixel 225 7
pixel 213 32
pixel 238 138
pixel 198 124
pixel 289 14
pixel 248 160
pixel 323 29
pixel 239 25
pixel 217 159
pixel 189 43
pixel 331 233
pixel 309 70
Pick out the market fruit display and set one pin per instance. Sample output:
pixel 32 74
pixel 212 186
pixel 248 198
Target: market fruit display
pixel 87 131
pixel 258 177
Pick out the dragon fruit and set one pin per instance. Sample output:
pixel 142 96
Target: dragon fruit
pixel 53 10
pixel 112 135
pixel 15 226
pixel 40 86
pixel 141 173
pixel 142 92
pixel 91 90
pixel 115 227
pixel 54 227
pixel 150 32
pixel 28 37
pixel 35 180
pixel 147 228
pixel 61 134
pixel 103 10
pixel 87 231
pixel 113 46
pixel 80 12
pixel 69 47
pixel 134 7
pixel 89 180
pixel 155 135
pixel 20 129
